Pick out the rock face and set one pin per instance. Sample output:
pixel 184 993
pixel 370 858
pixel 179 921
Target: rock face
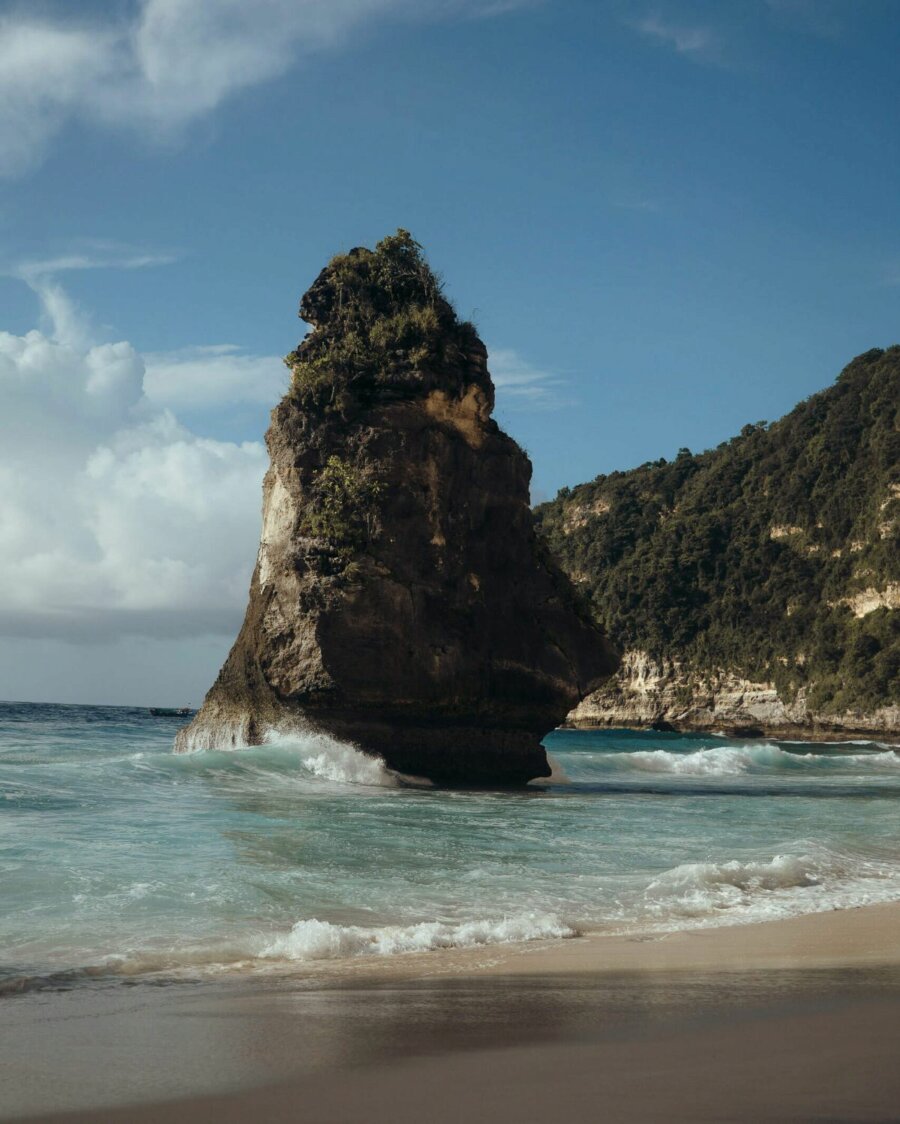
pixel 401 600
pixel 662 694
pixel 758 583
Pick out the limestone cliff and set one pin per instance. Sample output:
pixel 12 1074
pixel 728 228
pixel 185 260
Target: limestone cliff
pixel 401 600
pixel 664 694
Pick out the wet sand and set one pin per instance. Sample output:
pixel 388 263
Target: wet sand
pixel 839 938
pixel 789 1020
pixel 834 1063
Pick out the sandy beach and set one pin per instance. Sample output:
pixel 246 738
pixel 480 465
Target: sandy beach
pixel 839 938
pixel 787 1020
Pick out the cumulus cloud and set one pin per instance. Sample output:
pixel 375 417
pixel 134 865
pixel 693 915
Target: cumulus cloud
pixel 166 62
pixel 116 518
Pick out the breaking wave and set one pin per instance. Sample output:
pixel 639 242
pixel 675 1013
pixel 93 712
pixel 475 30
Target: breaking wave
pixel 311 940
pixel 332 760
pixel 317 755
pixel 785 885
pixel 725 761
pixel 303 855
pixel 321 940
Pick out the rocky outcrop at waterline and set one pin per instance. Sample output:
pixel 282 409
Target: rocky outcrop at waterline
pixel 401 600
pixel 663 694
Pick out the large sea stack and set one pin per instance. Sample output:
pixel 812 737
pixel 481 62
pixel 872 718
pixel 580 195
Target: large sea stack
pixel 401 600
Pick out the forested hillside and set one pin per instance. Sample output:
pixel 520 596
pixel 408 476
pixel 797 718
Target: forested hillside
pixel 774 556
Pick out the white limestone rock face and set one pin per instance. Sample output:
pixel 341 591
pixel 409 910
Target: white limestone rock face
pixel 648 692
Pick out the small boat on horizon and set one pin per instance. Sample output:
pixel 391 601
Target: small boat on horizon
pixel 170 711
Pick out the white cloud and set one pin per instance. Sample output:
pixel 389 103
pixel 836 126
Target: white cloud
pixel 195 378
pixel 68 323
pixel 45 71
pixel 693 41
pixel 115 518
pixel 94 254
pixel 169 63
pixel 520 386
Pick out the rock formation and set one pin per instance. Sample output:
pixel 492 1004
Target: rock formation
pixel 665 695
pixel 756 584
pixel 401 600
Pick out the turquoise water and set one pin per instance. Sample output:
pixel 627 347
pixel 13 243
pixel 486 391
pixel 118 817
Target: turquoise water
pixel 118 858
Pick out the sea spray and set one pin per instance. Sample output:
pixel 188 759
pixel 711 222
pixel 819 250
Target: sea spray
pixel 325 756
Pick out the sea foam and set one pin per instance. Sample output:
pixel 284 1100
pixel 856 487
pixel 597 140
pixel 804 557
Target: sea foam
pixel 332 760
pixel 322 940
pixel 724 761
pixel 757 889
pixel 317 753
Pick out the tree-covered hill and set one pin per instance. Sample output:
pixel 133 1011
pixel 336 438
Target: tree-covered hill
pixel 775 556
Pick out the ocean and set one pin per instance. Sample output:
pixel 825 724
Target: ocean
pixel 121 861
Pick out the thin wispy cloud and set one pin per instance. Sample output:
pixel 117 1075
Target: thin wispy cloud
pixel 64 321
pixel 100 256
pixel 169 62
pixel 521 386
pixel 697 42
pixel 210 376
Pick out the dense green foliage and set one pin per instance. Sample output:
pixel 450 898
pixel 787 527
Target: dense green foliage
pixel 748 557
pixel 381 320
pixel 342 508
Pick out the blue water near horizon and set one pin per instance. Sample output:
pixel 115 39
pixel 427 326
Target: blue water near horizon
pixel 120 859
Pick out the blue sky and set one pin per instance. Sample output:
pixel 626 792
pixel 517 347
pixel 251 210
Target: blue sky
pixel 667 220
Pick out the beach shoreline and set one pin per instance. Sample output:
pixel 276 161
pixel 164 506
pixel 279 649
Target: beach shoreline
pixel 852 937
pixel 382 1038
pixel 836 938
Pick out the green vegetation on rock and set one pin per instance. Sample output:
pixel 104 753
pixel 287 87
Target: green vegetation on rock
pixel 342 508
pixel 381 323
pixel 776 555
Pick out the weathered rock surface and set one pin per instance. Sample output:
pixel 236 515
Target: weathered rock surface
pixel 762 576
pixel 662 694
pixel 401 600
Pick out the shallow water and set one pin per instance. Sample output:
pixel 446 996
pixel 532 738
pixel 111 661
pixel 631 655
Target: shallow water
pixel 118 858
